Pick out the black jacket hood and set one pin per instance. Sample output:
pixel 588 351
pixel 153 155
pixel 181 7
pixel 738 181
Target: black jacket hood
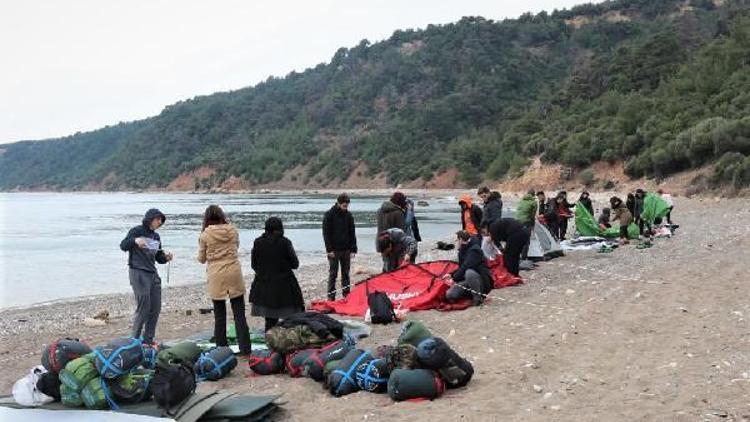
pixel 150 215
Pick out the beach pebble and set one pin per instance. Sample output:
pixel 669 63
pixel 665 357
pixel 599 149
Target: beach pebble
pixel 538 388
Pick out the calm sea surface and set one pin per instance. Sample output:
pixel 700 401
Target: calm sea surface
pixel 62 245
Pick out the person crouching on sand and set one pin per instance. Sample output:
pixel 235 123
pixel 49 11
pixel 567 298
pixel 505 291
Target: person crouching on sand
pixel 144 249
pixel 218 244
pixel 472 279
pixel 395 248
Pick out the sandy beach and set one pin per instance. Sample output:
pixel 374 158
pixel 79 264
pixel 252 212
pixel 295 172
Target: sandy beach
pixel 655 334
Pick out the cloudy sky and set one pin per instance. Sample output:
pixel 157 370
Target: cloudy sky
pixel 78 65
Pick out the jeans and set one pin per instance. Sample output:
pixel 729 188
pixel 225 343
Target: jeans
pixel 472 280
pixel 240 323
pixel 342 258
pixel 147 291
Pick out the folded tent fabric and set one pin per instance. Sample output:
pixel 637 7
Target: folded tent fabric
pixel 654 207
pixel 587 226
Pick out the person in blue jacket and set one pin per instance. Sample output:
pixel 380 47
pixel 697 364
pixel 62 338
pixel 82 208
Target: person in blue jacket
pixel 144 249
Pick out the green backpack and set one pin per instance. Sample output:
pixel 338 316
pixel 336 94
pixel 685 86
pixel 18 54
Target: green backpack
pixel 94 396
pixel 70 397
pixel 133 387
pixel 186 352
pixel 78 372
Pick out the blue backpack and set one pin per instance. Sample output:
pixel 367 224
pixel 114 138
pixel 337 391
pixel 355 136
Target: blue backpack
pixel 119 357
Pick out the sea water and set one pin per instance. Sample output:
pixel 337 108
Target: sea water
pixel 62 245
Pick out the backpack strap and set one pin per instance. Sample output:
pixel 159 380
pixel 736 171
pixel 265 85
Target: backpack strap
pixel 347 376
pixel 108 395
pixel 366 378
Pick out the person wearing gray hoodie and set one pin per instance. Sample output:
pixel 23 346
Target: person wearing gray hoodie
pixel 144 249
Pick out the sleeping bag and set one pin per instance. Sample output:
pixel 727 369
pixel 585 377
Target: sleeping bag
pixel 407 384
pixel 266 362
pixel 185 352
pixel 58 353
pixel 342 380
pixel 436 354
pixel 373 377
pixel 295 363
pixel 118 357
pixel 94 395
pixel 314 365
pixel 132 388
pixel 413 332
pixel 70 397
pixel 215 363
pixel 78 372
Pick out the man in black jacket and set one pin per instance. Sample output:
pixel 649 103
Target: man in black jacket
pixel 341 243
pixel 143 246
pixel 493 206
pixel 515 236
pixel 472 279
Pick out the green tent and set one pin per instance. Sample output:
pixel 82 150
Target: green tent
pixel 653 207
pixel 587 226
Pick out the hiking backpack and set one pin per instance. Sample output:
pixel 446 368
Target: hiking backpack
pixel 58 353
pixel 49 384
pixel 381 308
pixel 118 357
pixel 172 384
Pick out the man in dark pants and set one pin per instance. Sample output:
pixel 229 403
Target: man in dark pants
pixel 143 246
pixel 472 279
pixel 515 236
pixel 341 243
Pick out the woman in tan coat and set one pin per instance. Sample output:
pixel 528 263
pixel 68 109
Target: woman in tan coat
pixel 218 244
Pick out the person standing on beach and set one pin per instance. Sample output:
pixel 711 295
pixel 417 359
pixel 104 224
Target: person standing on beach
pixel 275 292
pixel 412 226
pixel 218 244
pixel 392 213
pixel 144 249
pixel 493 206
pixel 340 240
pixel 471 215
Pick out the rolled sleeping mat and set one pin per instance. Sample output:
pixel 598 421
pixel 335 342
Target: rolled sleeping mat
pixel 118 357
pixel 70 397
pixel 266 362
pixel 94 395
pixel 78 372
pixel 413 332
pixel 408 384
pixel 215 364
pixel 342 380
pixel 314 365
pixel 185 352
pixel 434 353
pixel 373 377
pixel 132 388
pixel 295 362
pixel 58 353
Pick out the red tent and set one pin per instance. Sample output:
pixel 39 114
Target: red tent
pixel 414 287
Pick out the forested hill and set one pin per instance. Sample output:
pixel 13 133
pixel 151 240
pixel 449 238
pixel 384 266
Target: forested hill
pixel 662 85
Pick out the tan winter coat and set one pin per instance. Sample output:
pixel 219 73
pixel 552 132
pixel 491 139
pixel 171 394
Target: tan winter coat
pixel 218 246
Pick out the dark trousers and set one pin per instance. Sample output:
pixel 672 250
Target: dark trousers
pixel 147 291
pixel 562 226
pixel 240 323
pixel 525 251
pixel 669 215
pixel 342 258
pixel 513 248
pixel 640 223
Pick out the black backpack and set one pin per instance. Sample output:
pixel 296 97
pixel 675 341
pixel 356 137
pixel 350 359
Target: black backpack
pixel 172 384
pixel 49 384
pixel 381 308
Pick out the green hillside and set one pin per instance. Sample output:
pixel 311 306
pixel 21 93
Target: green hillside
pixel 661 85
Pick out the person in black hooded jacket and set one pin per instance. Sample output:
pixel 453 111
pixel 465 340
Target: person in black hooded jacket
pixel 144 249
pixel 472 279
pixel 515 236
pixel 275 292
pixel 585 201
pixel 493 206
pixel 341 243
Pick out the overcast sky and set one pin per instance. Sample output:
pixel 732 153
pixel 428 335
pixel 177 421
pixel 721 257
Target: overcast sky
pixel 78 65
